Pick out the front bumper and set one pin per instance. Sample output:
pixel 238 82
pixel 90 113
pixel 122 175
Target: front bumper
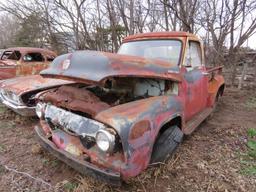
pixel 83 167
pixel 20 109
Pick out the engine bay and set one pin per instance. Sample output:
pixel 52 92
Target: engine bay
pixel 91 99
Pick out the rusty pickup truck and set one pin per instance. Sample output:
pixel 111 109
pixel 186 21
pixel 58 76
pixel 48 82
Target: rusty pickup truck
pixel 130 109
pixel 20 61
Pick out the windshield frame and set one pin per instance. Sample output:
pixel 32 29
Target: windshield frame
pixel 161 39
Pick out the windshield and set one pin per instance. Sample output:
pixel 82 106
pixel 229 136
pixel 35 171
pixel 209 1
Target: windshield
pixel 13 55
pixel 167 50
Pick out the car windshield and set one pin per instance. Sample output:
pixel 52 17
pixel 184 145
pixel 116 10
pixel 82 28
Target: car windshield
pixel 13 55
pixel 167 50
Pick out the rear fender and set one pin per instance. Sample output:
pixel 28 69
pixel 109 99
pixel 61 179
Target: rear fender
pixel 213 87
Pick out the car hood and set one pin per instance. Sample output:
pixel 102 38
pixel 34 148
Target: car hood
pixel 21 85
pixel 95 67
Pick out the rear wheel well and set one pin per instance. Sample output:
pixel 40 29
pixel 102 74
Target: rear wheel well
pixel 221 89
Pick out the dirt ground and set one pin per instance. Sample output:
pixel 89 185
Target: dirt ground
pixel 211 159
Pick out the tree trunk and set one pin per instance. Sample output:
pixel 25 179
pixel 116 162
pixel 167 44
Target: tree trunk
pixel 166 16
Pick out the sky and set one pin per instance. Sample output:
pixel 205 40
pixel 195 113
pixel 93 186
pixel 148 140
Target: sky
pixel 251 42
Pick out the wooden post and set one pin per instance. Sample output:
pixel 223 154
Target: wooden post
pixel 241 81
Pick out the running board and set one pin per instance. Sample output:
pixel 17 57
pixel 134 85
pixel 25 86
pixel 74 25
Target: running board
pixel 192 124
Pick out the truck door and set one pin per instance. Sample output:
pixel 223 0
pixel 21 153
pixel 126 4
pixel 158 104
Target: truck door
pixel 195 80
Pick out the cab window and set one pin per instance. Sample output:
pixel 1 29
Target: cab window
pixel 33 57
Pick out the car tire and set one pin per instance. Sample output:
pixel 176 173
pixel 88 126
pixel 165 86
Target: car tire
pixel 166 144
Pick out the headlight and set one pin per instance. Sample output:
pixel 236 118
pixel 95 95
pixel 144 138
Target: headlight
pixel 105 140
pixel 40 107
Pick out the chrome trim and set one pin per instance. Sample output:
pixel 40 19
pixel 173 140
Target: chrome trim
pixel 23 110
pixel 7 98
pixel 73 122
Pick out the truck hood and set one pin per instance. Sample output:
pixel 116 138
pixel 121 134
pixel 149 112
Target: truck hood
pixel 96 67
pixel 21 85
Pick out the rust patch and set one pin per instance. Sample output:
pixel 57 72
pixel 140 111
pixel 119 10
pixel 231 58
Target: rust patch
pixel 139 129
pixel 76 99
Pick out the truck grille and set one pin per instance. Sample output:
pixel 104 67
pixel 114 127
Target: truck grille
pixel 72 122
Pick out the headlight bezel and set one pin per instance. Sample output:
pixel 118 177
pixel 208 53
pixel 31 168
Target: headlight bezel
pixel 11 97
pixel 16 99
pixel 111 139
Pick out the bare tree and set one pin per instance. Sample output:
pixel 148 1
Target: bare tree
pixel 184 10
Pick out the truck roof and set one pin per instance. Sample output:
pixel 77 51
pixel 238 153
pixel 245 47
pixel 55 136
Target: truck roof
pixel 155 35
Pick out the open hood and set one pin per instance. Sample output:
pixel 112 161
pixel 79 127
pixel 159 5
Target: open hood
pixel 95 67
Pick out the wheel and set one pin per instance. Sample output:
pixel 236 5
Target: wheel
pixel 166 144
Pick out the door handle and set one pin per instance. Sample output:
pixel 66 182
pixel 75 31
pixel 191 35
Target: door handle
pixel 205 73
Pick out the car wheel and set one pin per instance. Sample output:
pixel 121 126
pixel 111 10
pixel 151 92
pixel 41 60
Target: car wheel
pixel 166 144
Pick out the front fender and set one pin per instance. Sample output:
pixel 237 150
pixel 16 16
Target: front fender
pixel 137 124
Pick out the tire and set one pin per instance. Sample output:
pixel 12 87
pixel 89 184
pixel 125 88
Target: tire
pixel 166 144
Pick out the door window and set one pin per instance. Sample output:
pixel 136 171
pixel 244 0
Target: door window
pixel 33 57
pixel 194 55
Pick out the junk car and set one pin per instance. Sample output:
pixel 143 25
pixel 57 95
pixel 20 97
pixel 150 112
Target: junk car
pixel 20 61
pixel 130 109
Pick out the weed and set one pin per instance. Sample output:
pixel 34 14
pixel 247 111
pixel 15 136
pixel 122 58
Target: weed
pixel 7 125
pixel 70 186
pixel 2 169
pixel 251 103
pixel 45 161
pixel 249 170
pixel 251 132
pixel 2 148
pixel 2 109
pixel 248 158
pixel 55 163
pixel 251 144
